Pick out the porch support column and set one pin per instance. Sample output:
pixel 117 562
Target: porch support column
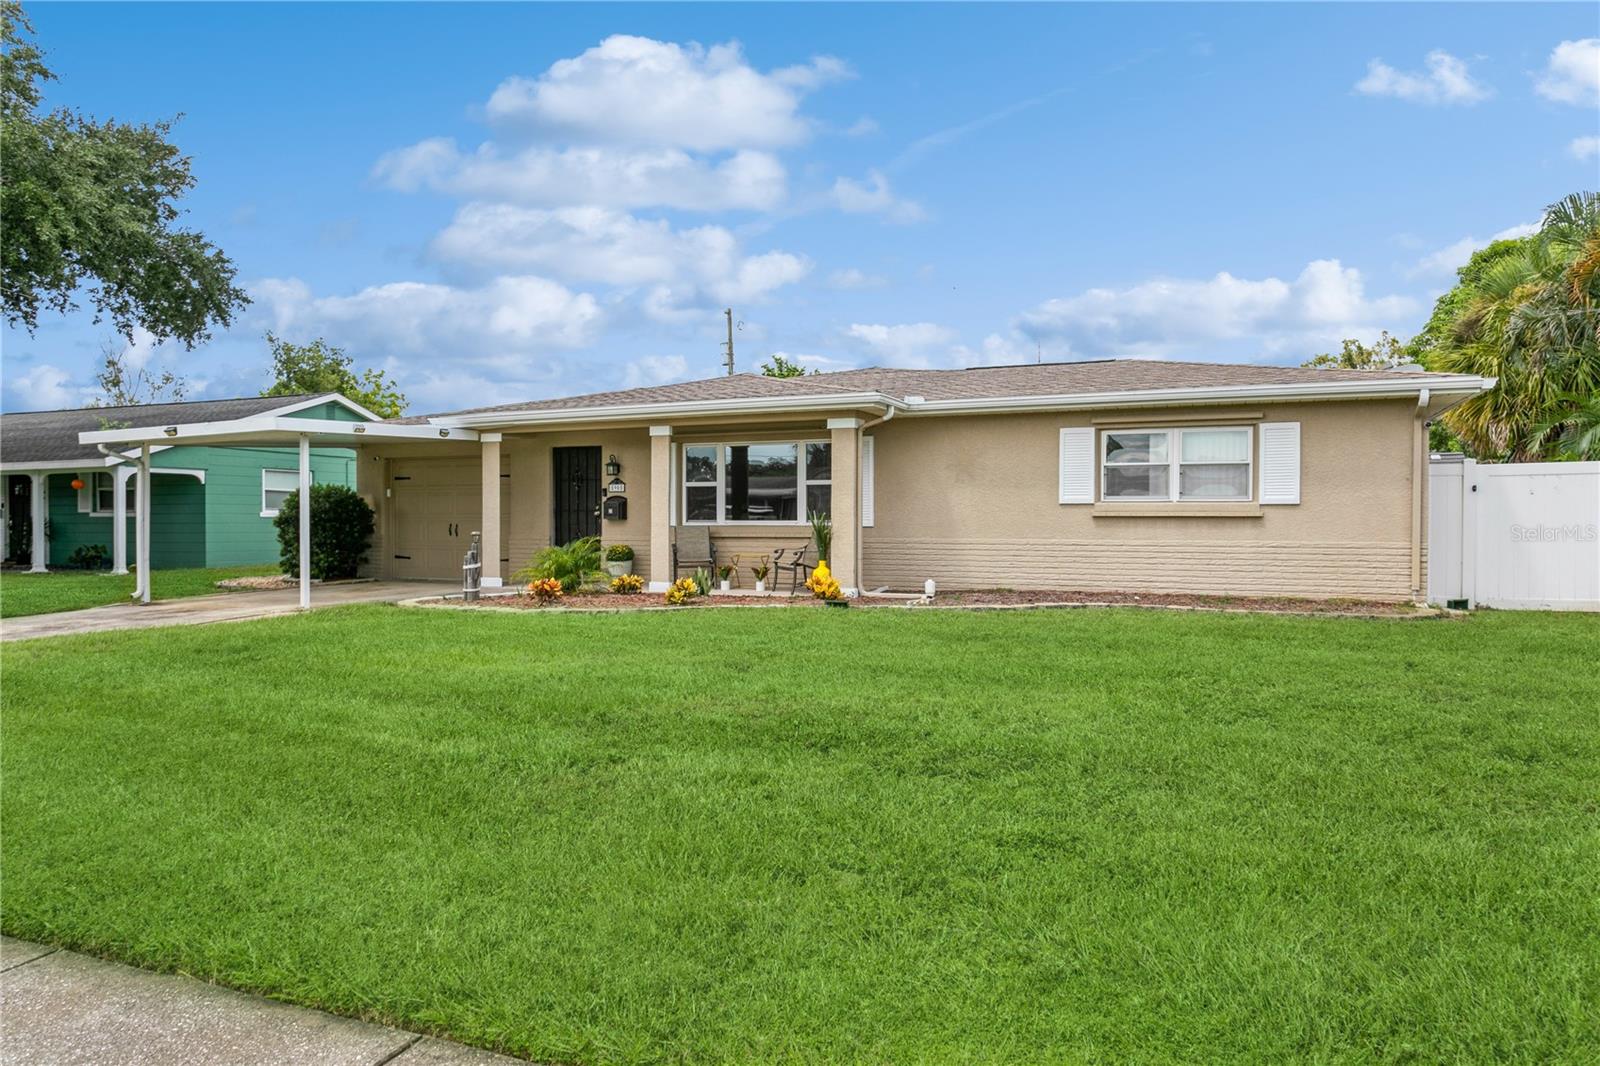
pixel 141 524
pixel 305 522
pixel 119 517
pixel 490 558
pixel 38 514
pixel 660 508
pixel 846 441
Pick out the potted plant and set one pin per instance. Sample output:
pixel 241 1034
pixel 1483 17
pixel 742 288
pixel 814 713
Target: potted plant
pixel 724 577
pixel 619 560
pixel 760 572
pixel 821 533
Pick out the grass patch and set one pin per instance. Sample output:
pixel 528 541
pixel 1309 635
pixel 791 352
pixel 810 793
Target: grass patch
pixel 854 835
pixel 70 590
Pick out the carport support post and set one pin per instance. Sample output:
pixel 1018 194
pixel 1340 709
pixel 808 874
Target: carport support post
pixel 660 508
pixel 38 514
pixel 141 523
pixel 305 521
pixel 846 455
pixel 489 558
pixel 119 518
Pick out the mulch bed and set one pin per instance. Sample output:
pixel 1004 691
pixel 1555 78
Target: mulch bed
pixel 982 599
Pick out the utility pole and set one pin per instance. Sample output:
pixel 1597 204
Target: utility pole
pixel 728 362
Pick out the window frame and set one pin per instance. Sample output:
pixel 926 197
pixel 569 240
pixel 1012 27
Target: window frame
pixel 721 447
pixel 272 512
pixel 1175 464
pixel 129 493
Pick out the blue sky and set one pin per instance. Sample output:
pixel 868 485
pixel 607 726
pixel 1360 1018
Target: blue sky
pixel 498 202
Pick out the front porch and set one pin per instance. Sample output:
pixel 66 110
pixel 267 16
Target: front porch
pixel 748 487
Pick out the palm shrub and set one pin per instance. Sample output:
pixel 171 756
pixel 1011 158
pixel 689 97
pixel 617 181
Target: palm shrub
pixel 575 564
pixel 1527 313
pixel 822 533
pixel 341 532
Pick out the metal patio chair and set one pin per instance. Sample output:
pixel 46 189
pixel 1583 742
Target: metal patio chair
pixel 796 565
pixel 691 548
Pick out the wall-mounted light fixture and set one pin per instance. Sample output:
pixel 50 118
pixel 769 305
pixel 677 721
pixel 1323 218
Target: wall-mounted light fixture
pixel 444 433
pixel 171 431
pixel 613 468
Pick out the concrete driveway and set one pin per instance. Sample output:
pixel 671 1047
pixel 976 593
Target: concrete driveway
pixel 223 607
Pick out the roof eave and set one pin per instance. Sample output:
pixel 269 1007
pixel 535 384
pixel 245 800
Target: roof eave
pixel 681 408
pixel 1464 384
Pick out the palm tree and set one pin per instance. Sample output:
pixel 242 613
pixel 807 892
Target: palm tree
pixel 1532 320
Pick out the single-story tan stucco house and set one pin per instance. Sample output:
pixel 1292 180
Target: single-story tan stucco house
pixel 1102 475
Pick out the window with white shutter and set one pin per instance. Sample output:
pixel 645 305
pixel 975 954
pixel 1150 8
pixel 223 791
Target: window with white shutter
pixel 1077 465
pixel 867 480
pixel 1280 462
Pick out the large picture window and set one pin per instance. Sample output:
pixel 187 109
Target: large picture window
pixel 780 481
pixel 1210 464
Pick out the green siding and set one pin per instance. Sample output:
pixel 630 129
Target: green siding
pixel 177 522
pixel 238 533
pixel 332 411
pixel 215 524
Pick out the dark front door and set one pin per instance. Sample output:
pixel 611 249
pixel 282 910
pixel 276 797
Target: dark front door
pixel 575 485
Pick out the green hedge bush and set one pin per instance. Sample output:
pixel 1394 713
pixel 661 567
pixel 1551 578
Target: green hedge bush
pixel 341 532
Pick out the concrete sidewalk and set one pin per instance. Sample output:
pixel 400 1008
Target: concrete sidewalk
pixel 62 1007
pixel 223 607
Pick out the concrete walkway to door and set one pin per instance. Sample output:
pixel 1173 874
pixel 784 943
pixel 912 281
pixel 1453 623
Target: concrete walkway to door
pixel 223 607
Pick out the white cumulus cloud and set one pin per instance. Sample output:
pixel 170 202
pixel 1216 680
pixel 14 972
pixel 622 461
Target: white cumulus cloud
pixel 912 344
pixel 635 90
pixel 1445 81
pixel 45 387
pixel 874 196
pixel 1572 74
pixel 655 370
pixel 508 317
pixel 1445 261
pixel 851 279
pixel 610 177
pixel 597 244
pixel 1583 148
pixel 1188 317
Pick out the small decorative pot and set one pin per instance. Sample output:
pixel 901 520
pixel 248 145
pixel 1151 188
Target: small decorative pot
pixel 618 567
pixel 723 585
pixel 761 586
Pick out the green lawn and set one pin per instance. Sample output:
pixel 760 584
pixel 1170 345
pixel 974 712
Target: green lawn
pixel 1075 836
pixel 23 593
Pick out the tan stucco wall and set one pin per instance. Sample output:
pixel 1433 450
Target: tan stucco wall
pixel 972 503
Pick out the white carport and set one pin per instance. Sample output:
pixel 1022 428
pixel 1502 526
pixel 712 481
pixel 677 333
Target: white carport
pixel 261 431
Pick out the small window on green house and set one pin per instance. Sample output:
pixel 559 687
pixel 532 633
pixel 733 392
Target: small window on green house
pixel 276 485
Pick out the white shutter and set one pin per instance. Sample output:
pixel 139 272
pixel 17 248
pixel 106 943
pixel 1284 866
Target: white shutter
pixel 867 480
pixel 1280 462
pixel 1077 465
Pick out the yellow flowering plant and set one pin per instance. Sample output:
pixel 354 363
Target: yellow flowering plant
pixel 627 584
pixel 682 590
pixel 823 585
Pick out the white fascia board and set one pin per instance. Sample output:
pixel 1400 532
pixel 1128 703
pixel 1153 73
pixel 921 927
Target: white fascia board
pixel 318 401
pixel 1465 384
pixel 752 405
pixel 52 465
pixel 268 430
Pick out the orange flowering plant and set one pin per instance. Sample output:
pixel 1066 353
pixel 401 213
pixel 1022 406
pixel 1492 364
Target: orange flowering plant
pixel 823 585
pixel 545 590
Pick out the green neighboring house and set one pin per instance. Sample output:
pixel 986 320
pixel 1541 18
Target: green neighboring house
pixel 210 506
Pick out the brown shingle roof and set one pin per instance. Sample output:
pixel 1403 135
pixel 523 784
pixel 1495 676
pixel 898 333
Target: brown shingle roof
pixel 998 382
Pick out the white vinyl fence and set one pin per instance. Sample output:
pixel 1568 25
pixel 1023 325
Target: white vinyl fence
pixel 1514 535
